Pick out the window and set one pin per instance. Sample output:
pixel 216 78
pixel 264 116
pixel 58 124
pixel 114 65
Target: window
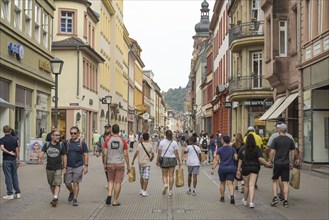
pixel 309 19
pixel 319 17
pixel 37 12
pixel 45 29
pixel 5 9
pixel 316 48
pixel 18 14
pixel 93 38
pixel 256 70
pixel 85 20
pixel 67 22
pixel 28 17
pixel 283 38
pixel 4 89
pixel 255 10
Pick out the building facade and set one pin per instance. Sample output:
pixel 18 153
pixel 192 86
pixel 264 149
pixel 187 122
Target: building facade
pixel 25 73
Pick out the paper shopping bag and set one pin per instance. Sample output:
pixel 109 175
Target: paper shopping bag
pixel 132 174
pixel 179 177
pixel 203 156
pixel 295 178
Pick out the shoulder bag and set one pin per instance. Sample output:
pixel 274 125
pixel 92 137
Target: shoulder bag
pixel 196 152
pixel 146 151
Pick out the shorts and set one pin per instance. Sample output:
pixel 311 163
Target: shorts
pixel 246 170
pixel 145 172
pixel 54 177
pixel 193 170
pixel 282 170
pixel 226 174
pixel 116 172
pixel 73 175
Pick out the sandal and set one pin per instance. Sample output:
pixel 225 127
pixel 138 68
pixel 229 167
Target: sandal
pixel 118 204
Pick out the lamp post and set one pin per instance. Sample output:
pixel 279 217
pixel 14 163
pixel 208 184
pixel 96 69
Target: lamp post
pixel 195 107
pixel 56 68
pixel 107 100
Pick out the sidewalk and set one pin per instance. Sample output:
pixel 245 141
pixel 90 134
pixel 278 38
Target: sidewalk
pixel 309 202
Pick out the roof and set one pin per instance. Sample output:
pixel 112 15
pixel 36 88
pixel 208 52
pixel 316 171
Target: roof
pixel 71 41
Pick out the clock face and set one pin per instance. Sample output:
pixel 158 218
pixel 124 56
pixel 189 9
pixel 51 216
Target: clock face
pixel 20 54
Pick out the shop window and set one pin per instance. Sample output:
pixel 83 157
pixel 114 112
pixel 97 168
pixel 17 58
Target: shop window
pixel 18 14
pixel 28 17
pixel 5 10
pixel 23 97
pixel 37 12
pixel 283 38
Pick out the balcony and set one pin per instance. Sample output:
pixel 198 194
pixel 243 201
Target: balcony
pixel 246 34
pixel 249 87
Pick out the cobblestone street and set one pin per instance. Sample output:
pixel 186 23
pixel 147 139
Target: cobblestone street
pixel 310 202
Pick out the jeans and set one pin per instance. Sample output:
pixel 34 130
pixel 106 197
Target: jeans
pixel 11 177
pixel 211 155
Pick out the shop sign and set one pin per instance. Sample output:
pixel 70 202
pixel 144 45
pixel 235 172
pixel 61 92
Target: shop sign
pixel 44 65
pixel 17 50
pixel 228 104
pixel 258 103
pixel 146 116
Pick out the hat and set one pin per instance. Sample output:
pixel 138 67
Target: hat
pixel 226 138
pixel 107 126
pixel 251 128
pixel 282 127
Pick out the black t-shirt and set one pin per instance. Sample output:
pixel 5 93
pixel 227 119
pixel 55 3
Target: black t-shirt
pixel 54 155
pixel 10 144
pixel 75 153
pixel 283 145
pixel 250 162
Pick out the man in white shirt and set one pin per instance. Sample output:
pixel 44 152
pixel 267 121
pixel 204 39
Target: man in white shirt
pixel 193 163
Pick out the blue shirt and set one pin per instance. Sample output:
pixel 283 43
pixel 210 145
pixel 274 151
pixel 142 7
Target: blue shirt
pixel 226 155
pixel 10 144
pixel 212 145
pixel 75 153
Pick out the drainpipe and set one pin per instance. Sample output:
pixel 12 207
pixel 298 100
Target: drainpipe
pixel 78 71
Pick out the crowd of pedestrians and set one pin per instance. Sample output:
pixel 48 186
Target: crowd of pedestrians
pixel 238 159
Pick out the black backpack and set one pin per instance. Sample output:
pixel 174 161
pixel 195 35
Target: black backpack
pixel 204 143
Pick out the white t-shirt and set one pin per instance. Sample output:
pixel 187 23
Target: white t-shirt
pixel 132 138
pixel 164 145
pixel 193 157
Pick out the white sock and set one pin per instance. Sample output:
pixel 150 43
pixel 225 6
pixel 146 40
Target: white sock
pixel 55 197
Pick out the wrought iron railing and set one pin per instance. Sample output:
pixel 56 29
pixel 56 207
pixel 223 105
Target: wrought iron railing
pixel 249 83
pixel 247 29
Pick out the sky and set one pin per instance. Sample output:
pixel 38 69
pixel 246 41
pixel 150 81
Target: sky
pixel 164 30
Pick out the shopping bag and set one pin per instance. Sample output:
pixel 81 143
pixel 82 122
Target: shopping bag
pixel 132 174
pixel 179 177
pixel 295 178
pixel 203 156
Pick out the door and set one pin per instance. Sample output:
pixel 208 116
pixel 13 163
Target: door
pixel 256 70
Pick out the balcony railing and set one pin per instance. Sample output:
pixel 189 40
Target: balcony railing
pixel 249 83
pixel 248 29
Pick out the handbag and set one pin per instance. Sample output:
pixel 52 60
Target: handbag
pixel 295 178
pixel 161 158
pixel 146 152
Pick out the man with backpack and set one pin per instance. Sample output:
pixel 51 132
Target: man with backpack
pixel 56 163
pixel 204 143
pixel 77 164
pixel 100 148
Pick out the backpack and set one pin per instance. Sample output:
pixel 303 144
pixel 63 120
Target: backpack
pixel 204 143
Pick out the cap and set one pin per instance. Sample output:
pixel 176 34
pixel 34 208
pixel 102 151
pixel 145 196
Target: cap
pixel 283 127
pixel 251 128
pixel 107 126
pixel 226 139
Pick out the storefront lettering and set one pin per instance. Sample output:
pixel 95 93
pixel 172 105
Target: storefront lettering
pixel 44 65
pixel 258 103
pixel 17 50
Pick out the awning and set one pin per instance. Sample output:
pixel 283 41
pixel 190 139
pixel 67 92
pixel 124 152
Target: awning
pixel 275 105
pixel 5 104
pixel 284 105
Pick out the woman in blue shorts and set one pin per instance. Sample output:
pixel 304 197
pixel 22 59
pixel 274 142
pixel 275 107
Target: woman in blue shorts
pixel 227 167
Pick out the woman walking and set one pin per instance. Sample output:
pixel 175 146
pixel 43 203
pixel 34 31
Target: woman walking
pixel 250 157
pixel 132 140
pixel 238 143
pixel 227 167
pixel 167 160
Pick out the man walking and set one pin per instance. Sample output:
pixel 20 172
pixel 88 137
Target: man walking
pixel 48 138
pixel 281 148
pixel 100 148
pixel 145 155
pixel 11 161
pixel 115 154
pixel 77 164
pixel 56 164
pixel 95 138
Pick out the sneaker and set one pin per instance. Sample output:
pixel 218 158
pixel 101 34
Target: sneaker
pixel 140 192
pixel 222 199
pixel 54 202
pixel 106 186
pixel 70 197
pixel 108 200
pixel 232 200
pixel 145 194
pixel 8 197
pixel 189 191
pixel 281 197
pixel 75 202
pixel 164 191
pixel 251 205
pixel 18 195
pixel 170 194
pixel 193 193
pixel 244 202
pixel 285 204
pixel 275 200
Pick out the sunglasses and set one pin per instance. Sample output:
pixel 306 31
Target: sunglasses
pixel 73 133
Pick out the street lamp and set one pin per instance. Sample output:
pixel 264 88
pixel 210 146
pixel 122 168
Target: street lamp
pixel 56 68
pixel 107 100
pixel 195 107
